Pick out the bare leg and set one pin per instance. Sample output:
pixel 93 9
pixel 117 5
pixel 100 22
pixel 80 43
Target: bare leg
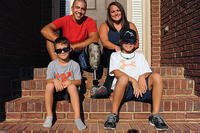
pixel 51 50
pixel 155 83
pixel 49 98
pixel 119 93
pixel 74 100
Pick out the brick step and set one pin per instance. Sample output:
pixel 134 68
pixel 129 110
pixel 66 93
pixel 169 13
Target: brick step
pixel 40 73
pixel 40 84
pixel 97 127
pixel 177 86
pixel 166 92
pixel 171 108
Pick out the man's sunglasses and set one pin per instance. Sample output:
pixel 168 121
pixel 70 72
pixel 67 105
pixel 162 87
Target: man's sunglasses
pixel 66 49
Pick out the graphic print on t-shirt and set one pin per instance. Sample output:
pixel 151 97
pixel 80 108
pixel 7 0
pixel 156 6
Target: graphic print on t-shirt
pixel 64 76
pixel 124 64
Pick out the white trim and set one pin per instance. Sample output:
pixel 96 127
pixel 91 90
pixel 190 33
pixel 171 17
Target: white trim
pixel 147 30
pixel 145 47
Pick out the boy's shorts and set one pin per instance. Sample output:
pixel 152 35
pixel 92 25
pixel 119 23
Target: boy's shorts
pixel 61 95
pixel 128 94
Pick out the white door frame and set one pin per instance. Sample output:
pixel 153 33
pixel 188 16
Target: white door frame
pixel 146 30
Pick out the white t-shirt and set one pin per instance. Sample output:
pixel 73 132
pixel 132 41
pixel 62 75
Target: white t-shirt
pixel 133 65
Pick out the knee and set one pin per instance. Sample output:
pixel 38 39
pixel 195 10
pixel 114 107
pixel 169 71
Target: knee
pixel 49 88
pixel 71 88
pixel 156 77
pixel 123 79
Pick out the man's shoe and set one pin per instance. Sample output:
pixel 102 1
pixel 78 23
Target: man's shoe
pixel 98 92
pixel 158 122
pixel 111 121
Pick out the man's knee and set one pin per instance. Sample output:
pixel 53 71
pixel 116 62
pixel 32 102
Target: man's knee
pixel 94 52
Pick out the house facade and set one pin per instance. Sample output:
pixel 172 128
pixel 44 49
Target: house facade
pixel 169 35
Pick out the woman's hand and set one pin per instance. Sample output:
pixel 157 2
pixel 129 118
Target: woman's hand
pixel 117 48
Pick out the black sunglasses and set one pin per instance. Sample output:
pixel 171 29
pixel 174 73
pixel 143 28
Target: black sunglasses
pixel 66 49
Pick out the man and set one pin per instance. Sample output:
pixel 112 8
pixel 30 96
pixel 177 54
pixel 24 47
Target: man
pixel 80 30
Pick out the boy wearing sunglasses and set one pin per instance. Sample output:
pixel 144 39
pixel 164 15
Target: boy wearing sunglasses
pixel 133 80
pixel 63 74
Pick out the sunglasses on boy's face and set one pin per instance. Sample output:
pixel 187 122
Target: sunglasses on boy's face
pixel 59 51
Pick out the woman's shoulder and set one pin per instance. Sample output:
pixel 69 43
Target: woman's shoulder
pixel 132 25
pixel 104 25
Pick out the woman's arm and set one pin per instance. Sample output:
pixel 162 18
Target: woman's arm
pixel 103 33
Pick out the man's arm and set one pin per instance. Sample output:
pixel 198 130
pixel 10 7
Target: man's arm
pixel 49 32
pixel 51 50
pixel 93 37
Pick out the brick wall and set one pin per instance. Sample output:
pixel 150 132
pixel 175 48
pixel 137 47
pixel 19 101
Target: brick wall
pixel 180 45
pixel 155 32
pixel 21 45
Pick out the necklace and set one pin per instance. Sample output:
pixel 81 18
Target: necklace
pixel 127 58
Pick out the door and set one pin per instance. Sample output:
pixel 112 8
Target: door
pixel 97 9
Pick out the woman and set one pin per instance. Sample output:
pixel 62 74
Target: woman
pixel 109 32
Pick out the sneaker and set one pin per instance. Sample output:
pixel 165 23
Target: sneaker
pixel 111 121
pixel 158 122
pixel 48 122
pixel 98 92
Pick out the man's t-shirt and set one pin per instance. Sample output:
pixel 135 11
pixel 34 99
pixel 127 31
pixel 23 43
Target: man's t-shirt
pixel 73 31
pixel 70 71
pixel 133 65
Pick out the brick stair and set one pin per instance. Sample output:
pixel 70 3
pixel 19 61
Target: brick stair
pixel 97 127
pixel 172 108
pixel 179 105
pixel 174 82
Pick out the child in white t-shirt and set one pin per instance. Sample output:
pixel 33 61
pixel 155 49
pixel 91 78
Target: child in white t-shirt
pixel 133 80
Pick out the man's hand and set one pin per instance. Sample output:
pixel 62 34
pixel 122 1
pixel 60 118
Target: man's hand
pixel 142 84
pixel 58 85
pixel 137 91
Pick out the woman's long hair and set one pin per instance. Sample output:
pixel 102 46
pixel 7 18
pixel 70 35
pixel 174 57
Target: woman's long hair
pixel 123 20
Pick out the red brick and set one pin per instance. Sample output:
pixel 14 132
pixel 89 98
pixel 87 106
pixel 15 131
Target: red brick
pixel 182 105
pixel 174 105
pixel 167 106
pixel 138 106
pixel 193 115
pixel 13 115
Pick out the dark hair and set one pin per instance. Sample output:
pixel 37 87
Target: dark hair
pixel 62 40
pixel 79 0
pixel 109 20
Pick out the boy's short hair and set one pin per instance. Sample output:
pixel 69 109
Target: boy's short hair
pixel 128 36
pixel 62 40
